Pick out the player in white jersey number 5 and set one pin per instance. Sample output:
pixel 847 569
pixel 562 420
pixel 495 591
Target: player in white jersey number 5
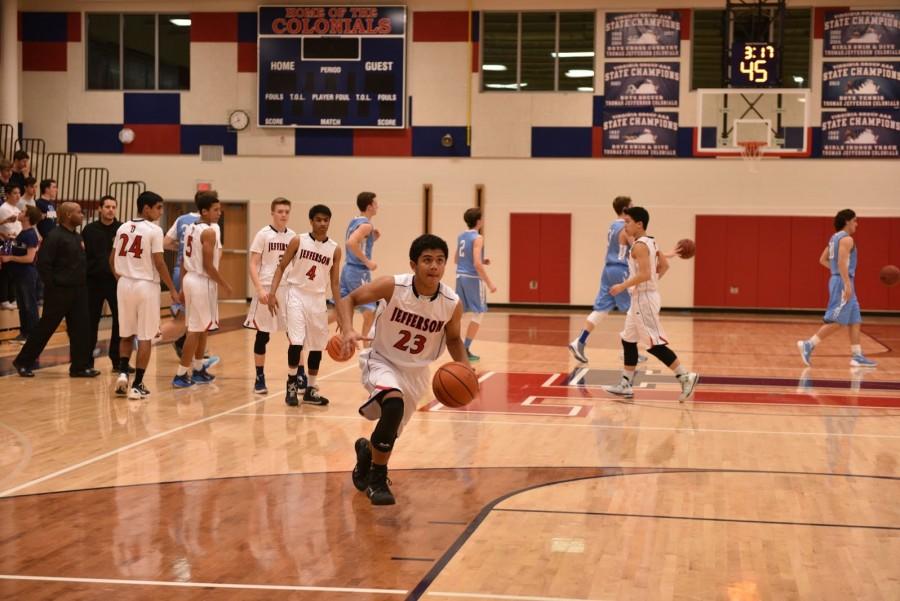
pixel 645 266
pixel 314 261
pixel 416 317
pixel 137 262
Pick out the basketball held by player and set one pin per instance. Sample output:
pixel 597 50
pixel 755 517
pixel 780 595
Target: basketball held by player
pixel 417 317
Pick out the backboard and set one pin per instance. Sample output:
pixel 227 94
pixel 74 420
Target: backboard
pixel 727 117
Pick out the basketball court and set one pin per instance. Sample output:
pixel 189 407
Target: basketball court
pixel 769 484
pixel 773 481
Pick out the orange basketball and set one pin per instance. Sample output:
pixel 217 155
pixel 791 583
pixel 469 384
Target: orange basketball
pixel 890 275
pixel 335 348
pixel 686 248
pixel 455 384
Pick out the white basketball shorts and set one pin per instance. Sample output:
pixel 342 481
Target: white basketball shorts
pixel 379 374
pixel 307 319
pixel 642 324
pixel 201 302
pixel 138 302
pixel 260 318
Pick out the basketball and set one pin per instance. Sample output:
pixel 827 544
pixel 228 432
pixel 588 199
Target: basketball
pixel 335 348
pixel 890 275
pixel 686 248
pixel 455 384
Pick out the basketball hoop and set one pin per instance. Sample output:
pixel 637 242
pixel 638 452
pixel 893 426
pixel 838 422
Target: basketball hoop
pixel 751 151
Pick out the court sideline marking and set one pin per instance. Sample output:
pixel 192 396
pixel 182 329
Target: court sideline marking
pixel 264 587
pixel 137 443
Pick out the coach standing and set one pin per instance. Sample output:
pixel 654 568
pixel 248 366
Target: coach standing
pixel 62 265
pixel 98 237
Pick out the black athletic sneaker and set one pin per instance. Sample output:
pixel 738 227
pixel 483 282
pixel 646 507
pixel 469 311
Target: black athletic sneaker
pixel 378 491
pixel 312 397
pixel 363 464
pixel 290 397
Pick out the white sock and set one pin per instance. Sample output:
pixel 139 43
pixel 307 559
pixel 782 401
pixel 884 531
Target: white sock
pixel 856 349
pixel 292 371
pixel 628 376
pixel 197 364
pixel 311 380
pixel 814 340
pixel 680 371
pixel 182 370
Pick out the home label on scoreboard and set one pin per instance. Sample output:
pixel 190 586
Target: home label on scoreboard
pixel 332 66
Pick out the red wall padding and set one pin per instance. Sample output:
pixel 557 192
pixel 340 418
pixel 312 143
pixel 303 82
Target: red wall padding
pixel 772 261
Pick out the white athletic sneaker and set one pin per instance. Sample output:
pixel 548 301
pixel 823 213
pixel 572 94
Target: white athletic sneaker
pixel 138 392
pixel 688 382
pixel 622 389
pixel 577 350
pixel 122 385
pixel 860 360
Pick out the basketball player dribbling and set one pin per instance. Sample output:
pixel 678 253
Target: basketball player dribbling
pixel 266 251
pixel 642 324
pixel 311 261
pixel 417 316
pixel 200 279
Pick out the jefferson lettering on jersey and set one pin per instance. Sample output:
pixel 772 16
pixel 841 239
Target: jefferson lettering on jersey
pixel 136 242
pixel 271 244
pixel 311 266
pixel 410 329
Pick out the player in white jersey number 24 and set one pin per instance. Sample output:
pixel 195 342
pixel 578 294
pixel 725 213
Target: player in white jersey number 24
pixel 416 317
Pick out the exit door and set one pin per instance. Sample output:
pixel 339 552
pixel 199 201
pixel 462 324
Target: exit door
pixel 540 257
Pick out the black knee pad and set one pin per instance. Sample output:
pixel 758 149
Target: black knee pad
pixel 294 351
pixel 388 424
pixel 663 353
pixel 259 345
pixel 631 353
pixel 314 360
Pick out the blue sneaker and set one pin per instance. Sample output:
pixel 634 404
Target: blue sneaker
pixel 259 387
pixel 210 361
pixel 182 381
pixel 859 360
pixel 202 377
pixel 806 350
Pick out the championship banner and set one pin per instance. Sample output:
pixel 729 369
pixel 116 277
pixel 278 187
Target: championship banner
pixel 861 85
pixel 862 33
pixel 649 34
pixel 640 134
pixel 641 85
pixel 861 135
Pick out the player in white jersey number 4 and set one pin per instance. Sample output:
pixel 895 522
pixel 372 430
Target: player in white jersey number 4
pixel 416 317
pixel 645 266
pixel 315 261
pixel 137 262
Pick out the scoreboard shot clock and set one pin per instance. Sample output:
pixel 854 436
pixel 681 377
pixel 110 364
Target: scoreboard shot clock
pixel 332 66
pixel 755 64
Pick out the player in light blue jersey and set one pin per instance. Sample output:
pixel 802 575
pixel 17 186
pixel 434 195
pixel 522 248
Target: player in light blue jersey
pixel 615 271
pixel 471 275
pixel 839 257
pixel 358 266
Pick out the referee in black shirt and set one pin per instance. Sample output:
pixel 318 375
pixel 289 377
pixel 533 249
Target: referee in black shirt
pixel 99 237
pixel 62 267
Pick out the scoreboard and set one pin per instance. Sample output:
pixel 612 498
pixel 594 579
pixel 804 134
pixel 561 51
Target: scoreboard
pixel 332 66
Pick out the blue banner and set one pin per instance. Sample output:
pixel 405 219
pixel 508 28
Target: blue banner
pixel 641 85
pixel 857 85
pixel 646 34
pixel 861 135
pixel 862 33
pixel 640 134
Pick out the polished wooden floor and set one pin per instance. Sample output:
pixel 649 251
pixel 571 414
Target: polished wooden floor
pixel 775 482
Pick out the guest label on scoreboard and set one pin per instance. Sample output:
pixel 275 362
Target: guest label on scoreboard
pixel 332 66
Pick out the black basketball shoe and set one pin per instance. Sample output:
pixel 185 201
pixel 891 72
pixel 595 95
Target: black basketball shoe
pixel 378 491
pixel 290 396
pixel 363 464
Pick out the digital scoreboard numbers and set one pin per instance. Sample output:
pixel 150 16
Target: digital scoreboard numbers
pixel 755 64
pixel 332 66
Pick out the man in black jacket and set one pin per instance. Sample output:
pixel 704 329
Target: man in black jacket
pixel 99 237
pixel 62 266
